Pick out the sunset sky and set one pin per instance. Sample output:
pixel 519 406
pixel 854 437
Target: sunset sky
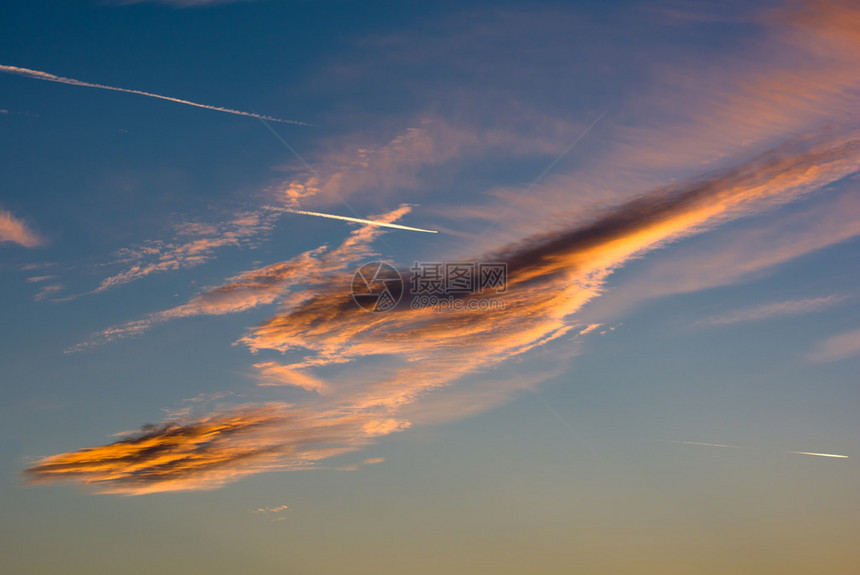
pixel 666 383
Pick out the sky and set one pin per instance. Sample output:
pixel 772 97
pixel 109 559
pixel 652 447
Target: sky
pixel 223 348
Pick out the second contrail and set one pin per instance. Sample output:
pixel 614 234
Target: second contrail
pixel 833 455
pixel 38 75
pixel 349 219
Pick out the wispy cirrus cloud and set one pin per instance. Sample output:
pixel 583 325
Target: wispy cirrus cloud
pixel 46 289
pixel 351 166
pixel 193 244
pixel 262 286
pixel 16 231
pixel 836 348
pixel 793 76
pixel 796 74
pixel 551 277
pixel 774 310
pixel 37 279
pixel 410 366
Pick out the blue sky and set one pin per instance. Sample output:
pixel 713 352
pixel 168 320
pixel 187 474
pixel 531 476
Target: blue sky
pixel 667 383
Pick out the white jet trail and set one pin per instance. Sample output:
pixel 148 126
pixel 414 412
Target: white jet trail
pixel 834 455
pixel 349 219
pixel 36 74
pixel 819 454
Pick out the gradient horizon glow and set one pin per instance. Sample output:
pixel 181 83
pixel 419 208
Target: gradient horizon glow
pixel 668 384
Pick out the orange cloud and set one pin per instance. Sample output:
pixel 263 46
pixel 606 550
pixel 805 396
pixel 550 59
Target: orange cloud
pixel 274 374
pixel 15 231
pixel 550 278
pixel 211 451
pixel 739 256
pixel 590 328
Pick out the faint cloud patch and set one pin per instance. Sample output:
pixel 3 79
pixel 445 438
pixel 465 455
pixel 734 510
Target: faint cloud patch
pixel 351 165
pixel 194 244
pixel 47 291
pixel 773 310
pixel 836 348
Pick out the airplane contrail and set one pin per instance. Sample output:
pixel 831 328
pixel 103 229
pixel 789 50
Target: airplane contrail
pixel 38 75
pixel 350 219
pixel 834 455
pixel 819 454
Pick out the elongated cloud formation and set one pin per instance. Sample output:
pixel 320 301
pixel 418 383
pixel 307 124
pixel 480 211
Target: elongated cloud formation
pixel 274 374
pixel 553 275
pixel 743 254
pixel 252 288
pixel 211 451
pixel 550 278
pixel 36 74
pixel 15 231
pixel 776 309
